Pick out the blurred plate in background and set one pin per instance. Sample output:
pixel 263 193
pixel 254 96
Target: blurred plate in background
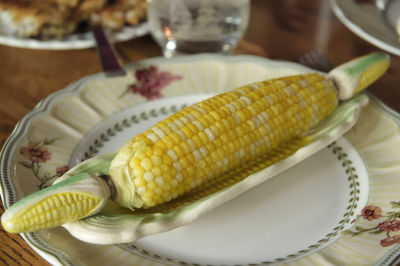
pixel 374 22
pixel 75 40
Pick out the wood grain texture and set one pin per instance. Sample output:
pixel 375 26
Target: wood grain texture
pixel 279 29
pixel 15 251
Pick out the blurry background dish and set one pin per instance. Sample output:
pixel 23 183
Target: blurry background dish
pixel 373 20
pixel 65 24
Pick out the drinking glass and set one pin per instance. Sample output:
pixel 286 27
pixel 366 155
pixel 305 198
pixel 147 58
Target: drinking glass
pixel 197 26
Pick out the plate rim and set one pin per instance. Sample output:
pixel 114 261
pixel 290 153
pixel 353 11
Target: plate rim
pixel 340 14
pixel 135 31
pixel 44 105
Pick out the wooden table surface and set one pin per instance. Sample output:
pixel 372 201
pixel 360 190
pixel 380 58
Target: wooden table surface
pixel 279 29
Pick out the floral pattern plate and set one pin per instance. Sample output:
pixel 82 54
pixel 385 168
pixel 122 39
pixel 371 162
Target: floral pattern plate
pixel 376 21
pixel 75 40
pixel 338 207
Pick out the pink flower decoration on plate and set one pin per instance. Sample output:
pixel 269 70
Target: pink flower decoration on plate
pixel 390 241
pixel 35 153
pixel 61 170
pixel 371 212
pixel 387 226
pixel 152 82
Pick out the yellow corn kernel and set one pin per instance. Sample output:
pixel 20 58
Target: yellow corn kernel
pixel 224 131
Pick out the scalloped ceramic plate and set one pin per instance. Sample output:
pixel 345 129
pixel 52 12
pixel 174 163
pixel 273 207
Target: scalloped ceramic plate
pixel 75 40
pixel 375 23
pixel 304 215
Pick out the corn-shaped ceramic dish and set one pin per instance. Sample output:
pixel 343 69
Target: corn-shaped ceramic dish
pixel 198 154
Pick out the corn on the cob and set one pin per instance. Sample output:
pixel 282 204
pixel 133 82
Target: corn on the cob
pixel 208 138
pixel 196 145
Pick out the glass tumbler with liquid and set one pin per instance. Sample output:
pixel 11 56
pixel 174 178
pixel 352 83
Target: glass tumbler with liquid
pixel 197 26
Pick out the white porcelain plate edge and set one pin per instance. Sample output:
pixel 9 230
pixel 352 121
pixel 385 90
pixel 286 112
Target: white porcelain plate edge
pixel 75 40
pixel 383 35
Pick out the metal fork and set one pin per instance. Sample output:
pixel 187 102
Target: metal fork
pixel 316 60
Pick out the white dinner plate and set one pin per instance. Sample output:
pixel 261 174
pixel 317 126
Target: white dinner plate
pixel 374 22
pixel 306 215
pixel 75 40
